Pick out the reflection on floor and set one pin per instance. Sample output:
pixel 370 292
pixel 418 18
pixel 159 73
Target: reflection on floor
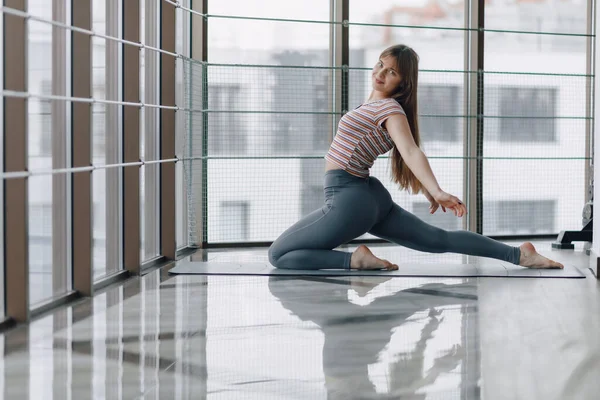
pixel 235 337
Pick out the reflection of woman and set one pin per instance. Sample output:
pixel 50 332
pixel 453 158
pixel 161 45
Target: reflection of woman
pixel 357 203
pixel 355 335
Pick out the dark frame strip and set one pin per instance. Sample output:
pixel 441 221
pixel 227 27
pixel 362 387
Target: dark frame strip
pixel 81 148
pixel 16 259
pixel 131 138
pixel 168 240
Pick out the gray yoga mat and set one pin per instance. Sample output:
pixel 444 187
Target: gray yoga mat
pixel 413 270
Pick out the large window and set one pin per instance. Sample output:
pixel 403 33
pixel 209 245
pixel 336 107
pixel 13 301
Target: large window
pixel 520 123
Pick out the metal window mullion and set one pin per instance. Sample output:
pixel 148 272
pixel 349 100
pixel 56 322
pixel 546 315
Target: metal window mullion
pixel 81 149
pixel 113 175
pixel 197 176
pixel 345 53
pixel 120 65
pixel 60 262
pixel 590 98
pixel 16 202
pixel 595 150
pixel 339 50
pixel 480 116
pixel 131 138
pixel 473 102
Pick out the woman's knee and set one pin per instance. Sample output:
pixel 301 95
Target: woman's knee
pixel 274 255
pixel 280 259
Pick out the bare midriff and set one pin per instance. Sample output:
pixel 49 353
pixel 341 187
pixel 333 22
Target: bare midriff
pixel 329 166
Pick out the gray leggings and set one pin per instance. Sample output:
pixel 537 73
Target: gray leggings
pixel 355 206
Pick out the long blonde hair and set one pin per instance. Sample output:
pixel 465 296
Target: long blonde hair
pixel 406 95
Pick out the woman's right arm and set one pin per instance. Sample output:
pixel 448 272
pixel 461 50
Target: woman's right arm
pixel 399 130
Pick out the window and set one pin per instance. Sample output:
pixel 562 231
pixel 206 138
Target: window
pixel 311 178
pixel 300 133
pixel 40 226
pixel 443 220
pixel 438 107
pixel 226 131
pixel 511 217
pixel 44 119
pixel 99 122
pixel 539 103
pixel 234 216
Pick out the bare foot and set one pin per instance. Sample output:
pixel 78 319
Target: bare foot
pixel 362 258
pixel 530 258
pixel 363 285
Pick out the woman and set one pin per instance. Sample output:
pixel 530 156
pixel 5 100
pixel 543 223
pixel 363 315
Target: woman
pixel 357 203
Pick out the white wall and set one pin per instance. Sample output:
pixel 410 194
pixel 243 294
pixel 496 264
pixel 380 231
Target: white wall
pixel 596 242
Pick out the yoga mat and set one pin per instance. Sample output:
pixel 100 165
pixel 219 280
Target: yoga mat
pixel 409 270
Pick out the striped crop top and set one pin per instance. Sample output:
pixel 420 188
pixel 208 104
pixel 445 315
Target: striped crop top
pixel 361 137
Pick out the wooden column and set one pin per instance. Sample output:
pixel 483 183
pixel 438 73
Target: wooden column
pixel 81 75
pixel 167 132
pixel 131 137
pixel 16 262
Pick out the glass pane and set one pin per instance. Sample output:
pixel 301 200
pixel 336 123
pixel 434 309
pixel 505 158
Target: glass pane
pixel 40 188
pixel 271 42
pixel 281 117
pixel 535 52
pixel 105 139
pixel 306 10
pixel 149 132
pixel 99 139
pixel 437 48
pixel 565 16
pixel 535 123
pixel 532 197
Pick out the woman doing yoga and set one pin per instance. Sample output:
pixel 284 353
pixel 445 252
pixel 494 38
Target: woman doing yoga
pixel 357 203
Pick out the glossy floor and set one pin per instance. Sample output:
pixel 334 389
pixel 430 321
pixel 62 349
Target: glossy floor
pixel 235 337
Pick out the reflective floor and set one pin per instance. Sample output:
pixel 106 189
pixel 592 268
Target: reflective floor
pixel 235 337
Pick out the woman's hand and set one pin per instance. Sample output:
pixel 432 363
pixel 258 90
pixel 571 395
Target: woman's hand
pixel 434 205
pixel 446 200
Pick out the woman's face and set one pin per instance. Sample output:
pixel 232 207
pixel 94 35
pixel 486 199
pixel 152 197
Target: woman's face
pixel 385 76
